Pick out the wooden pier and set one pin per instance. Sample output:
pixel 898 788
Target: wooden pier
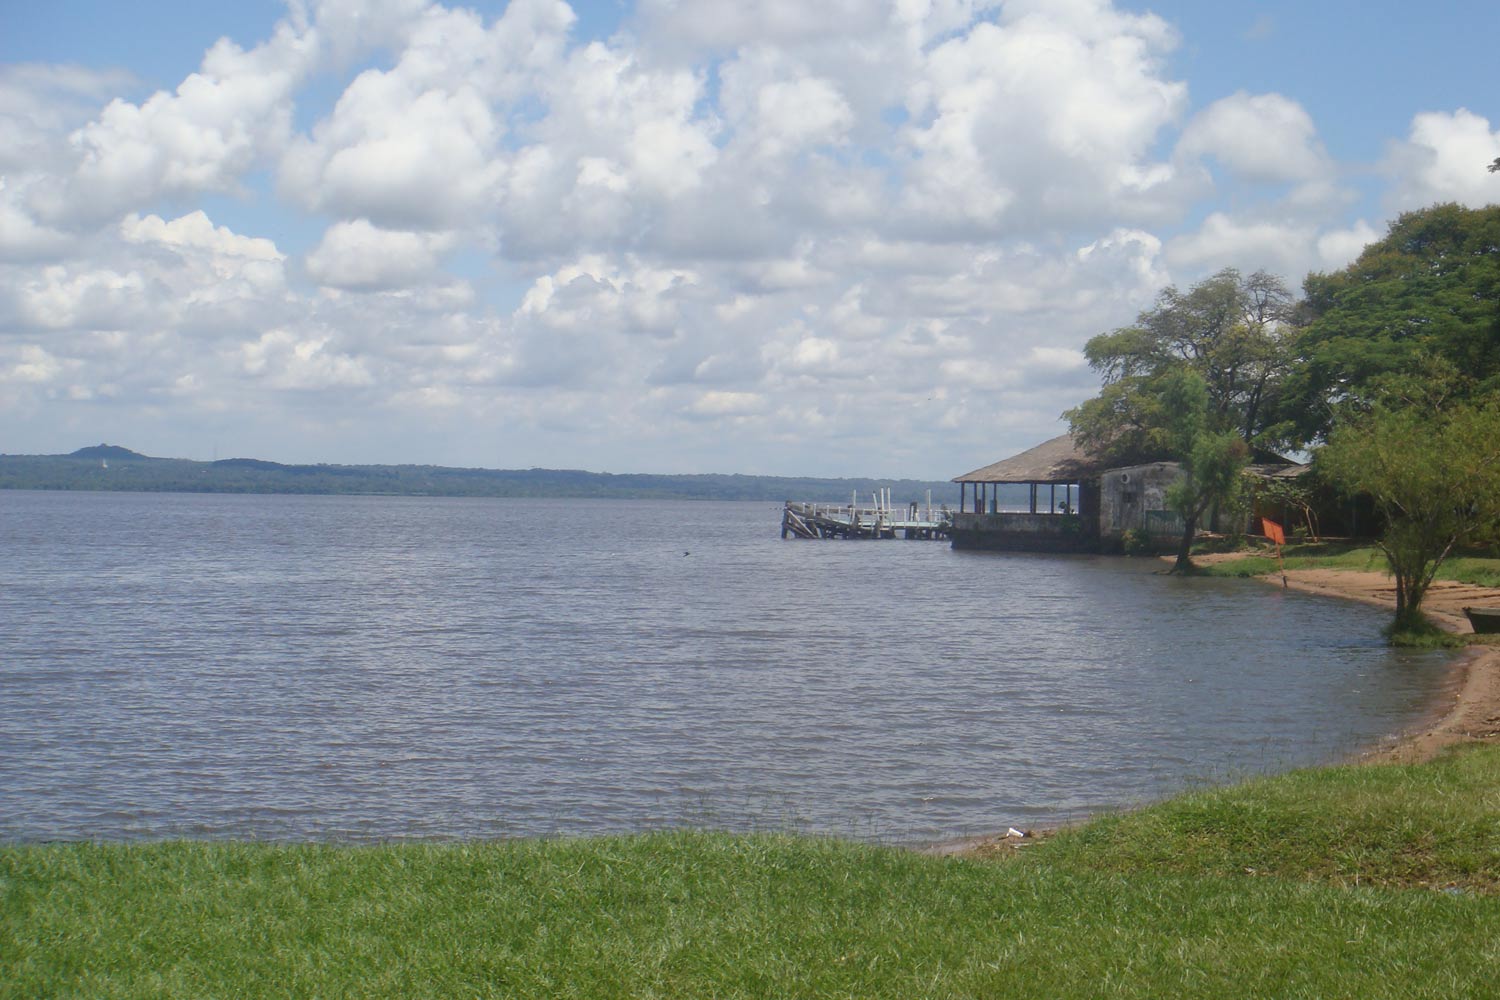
pixel 880 519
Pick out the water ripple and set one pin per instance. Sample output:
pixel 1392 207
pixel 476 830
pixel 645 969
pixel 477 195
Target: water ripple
pixel 396 668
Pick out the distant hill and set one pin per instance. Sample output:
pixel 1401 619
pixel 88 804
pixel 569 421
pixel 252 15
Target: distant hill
pixel 106 451
pixel 111 467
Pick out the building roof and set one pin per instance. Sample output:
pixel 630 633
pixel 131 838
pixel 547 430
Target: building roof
pixel 1060 460
pixel 1285 469
pixel 1055 461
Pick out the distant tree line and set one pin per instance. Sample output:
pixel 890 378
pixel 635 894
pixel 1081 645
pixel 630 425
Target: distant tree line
pixel 111 467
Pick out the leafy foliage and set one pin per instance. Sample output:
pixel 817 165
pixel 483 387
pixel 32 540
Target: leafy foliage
pixel 1291 496
pixel 1228 330
pixel 1192 382
pixel 1434 475
pixel 1427 295
pixel 1211 460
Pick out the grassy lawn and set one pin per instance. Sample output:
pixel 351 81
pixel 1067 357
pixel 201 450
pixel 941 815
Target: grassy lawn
pixel 1433 826
pixel 1483 571
pixel 1347 882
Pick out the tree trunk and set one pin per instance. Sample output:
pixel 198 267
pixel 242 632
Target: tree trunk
pixel 1184 563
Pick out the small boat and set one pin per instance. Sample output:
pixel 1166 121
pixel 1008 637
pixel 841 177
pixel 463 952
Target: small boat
pixel 1484 619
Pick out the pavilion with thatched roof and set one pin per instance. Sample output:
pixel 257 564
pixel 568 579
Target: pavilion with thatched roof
pixel 1072 501
pixel 1057 512
pixel 1054 463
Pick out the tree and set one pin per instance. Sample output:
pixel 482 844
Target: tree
pixel 1211 460
pixel 1196 380
pixel 1429 290
pixel 1291 497
pixel 1229 331
pixel 1434 474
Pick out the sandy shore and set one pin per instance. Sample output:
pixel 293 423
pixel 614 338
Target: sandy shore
pixel 1469 712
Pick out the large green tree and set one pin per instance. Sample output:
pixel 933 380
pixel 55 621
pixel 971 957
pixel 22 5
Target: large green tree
pixel 1433 469
pixel 1430 290
pixel 1194 380
pixel 1210 460
pixel 1230 331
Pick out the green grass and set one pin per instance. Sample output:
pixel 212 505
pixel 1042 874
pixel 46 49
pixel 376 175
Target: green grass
pixel 1310 555
pixel 1480 570
pixel 1328 883
pixel 1432 825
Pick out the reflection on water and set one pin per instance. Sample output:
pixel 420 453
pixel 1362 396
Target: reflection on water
pixel 382 668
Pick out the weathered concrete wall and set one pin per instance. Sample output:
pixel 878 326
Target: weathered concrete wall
pixel 1127 495
pixel 1023 532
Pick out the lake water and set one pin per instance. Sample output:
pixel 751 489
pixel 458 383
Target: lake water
pixel 370 668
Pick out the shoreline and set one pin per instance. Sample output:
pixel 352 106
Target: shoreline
pixel 1467 710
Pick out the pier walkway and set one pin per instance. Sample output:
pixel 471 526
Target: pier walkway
pixel 879 520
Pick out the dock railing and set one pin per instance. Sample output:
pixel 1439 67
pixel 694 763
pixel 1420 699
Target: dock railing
pixel 880 518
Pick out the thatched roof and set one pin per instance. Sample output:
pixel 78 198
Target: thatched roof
pixel 1060 460
pixel 1055 461
pixel 1285 469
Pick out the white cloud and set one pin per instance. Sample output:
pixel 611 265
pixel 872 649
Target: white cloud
pixel 419 145
pixel 1264 137
pixel 401 156
pixel 288 360
pixel 66 297
pixel 727 404
pixel 361 257
pixel 691 27
pixel 1056 359
pixel 815 354
pixel 1444 159
pixel 351 28
pixel 32 363
pixel 195 231
pixel 204 276
pixel 1041 120
pixel 22 238
pixel 40 105
pixel 1339 247
pixel 596 294
pixel 221 122
pixel 1280 246
pixel 777 110
pixel 676 247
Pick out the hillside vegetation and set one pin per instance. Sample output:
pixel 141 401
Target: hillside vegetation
pixel 110 467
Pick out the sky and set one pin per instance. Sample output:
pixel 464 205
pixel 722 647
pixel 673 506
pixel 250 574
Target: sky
pixel 843 238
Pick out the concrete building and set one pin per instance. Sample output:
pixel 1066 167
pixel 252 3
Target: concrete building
pixel 1057 498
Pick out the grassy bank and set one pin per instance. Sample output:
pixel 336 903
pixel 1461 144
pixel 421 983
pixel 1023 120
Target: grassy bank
pixel 1369 882
pixel 1482 571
